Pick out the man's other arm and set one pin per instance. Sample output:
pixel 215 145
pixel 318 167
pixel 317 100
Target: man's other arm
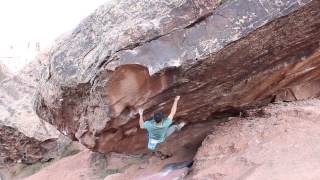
pixel 174 108
pixel 141 119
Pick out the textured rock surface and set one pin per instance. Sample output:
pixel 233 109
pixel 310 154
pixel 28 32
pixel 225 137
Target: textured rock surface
pixel 16 95
pixel 16 147
pixel 218 57
pixel 276 142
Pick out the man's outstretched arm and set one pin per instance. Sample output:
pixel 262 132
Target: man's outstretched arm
pixel 174 108
pixel 141 118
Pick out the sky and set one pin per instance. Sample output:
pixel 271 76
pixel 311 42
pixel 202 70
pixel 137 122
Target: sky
pixel 31 21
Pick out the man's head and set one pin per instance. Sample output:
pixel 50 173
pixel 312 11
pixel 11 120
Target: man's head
pixel 158 116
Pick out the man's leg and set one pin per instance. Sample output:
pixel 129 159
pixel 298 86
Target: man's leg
pixel 174 128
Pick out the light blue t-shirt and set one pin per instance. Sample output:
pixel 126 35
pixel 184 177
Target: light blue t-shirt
pixel 156 133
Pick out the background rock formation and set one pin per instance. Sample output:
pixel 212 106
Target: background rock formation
pixel 16 94
pixel 220 57
pixel 24 136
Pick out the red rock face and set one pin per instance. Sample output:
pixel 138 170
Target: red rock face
pixel 130 86
pixel 220 62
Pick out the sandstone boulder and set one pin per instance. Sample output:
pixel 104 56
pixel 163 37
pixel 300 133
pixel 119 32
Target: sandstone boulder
pixel 220 56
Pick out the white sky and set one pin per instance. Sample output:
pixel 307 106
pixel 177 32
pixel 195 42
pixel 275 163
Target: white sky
pixel 24 21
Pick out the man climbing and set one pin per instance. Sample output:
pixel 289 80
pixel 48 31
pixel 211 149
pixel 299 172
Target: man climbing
pixel 159 127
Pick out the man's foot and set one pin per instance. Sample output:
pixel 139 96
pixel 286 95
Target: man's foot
pixel 157 154
pixel 181 125
pixel 165 156
pixel 162 156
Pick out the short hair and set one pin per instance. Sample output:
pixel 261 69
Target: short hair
pixel 158 116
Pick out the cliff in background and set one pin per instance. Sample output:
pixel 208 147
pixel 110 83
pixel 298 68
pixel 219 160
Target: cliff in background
pixel 16 101
pixel 24 136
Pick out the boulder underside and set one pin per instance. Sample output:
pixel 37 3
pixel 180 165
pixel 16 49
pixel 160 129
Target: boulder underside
pixel 221 59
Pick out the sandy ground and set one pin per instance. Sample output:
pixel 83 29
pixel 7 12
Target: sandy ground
pixel 278 142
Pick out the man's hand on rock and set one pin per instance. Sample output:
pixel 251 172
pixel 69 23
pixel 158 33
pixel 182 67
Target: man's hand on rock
pixel 140 111
pixel 177 98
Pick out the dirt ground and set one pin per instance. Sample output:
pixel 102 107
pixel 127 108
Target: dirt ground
pixel 278 142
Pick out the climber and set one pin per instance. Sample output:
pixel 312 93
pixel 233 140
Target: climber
pixel 159 127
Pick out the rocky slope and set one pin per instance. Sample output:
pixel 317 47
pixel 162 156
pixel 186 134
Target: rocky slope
pixel 220 56
pixel 276 142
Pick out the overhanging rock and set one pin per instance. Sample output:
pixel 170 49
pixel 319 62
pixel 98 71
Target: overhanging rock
pixel 217 56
